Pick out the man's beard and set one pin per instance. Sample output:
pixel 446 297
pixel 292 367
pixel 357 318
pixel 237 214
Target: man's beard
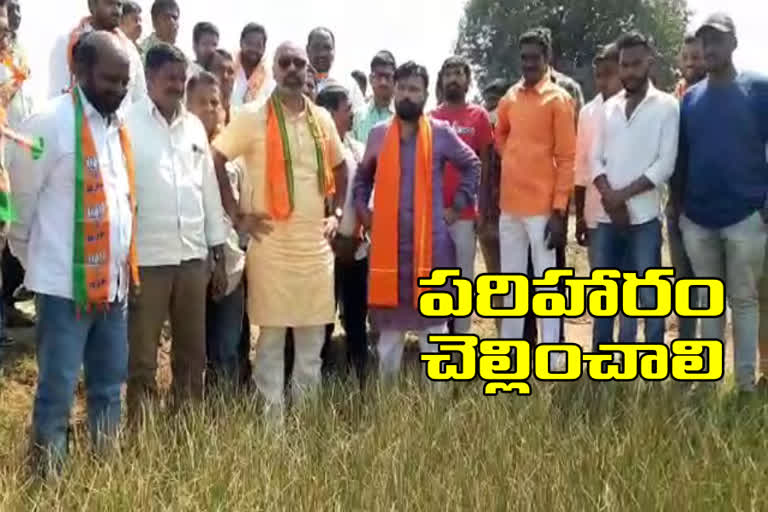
pixel 408 110
pixel 454 94
pixel 695 77
pixel 105 105
pixel 632 86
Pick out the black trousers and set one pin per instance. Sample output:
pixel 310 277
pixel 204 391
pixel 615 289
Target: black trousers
pixel 13 275
pixel 351 284
pixel 244 352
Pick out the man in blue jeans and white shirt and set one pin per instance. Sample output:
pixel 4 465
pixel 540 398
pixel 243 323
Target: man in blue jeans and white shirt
pixel 634 156
pixel 587 199
pixel 721 183
pixel 43 240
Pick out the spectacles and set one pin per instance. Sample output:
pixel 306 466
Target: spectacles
pixel 298 62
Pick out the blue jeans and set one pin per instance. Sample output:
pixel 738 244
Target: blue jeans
pixel 223 329
pixel 633 249
pixel 683 270
pixel 627 324
pixel 66 341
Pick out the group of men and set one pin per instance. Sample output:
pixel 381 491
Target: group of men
pixel 231 192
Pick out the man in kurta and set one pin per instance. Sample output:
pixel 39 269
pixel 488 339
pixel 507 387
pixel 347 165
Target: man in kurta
pixel 404 162
pixel 295 172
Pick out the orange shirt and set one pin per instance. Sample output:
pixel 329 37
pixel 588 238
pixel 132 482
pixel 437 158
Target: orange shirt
pixel 536 138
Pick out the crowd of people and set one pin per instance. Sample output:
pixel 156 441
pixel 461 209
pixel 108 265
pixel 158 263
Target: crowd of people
pixel 228 193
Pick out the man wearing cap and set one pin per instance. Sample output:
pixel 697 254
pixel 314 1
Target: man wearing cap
pixel 721 186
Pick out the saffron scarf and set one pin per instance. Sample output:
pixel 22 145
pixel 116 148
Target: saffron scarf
pixel 8 90
pixel 91 259
pixel 255 81
pixel 280 186
pixel 384 273
pixel 19 71
pixel 81 28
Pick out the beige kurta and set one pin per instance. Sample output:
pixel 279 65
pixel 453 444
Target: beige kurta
pixel 290 272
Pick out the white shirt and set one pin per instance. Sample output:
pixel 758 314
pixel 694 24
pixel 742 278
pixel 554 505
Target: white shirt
pixel 240 87
pixel 589 120
pixel 643 145
pixel 44 191
pixel 178 203
pixel 353 155
pixel 60 76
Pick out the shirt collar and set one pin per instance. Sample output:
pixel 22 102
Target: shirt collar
pixel 541 86
pixel 373 108
pixel 651 95
pixel 155 112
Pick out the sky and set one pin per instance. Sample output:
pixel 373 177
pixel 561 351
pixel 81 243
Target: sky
pixel 420 30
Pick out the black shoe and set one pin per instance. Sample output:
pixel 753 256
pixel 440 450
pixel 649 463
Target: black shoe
pixel 17 319
pixel 22 294
pixel 6 342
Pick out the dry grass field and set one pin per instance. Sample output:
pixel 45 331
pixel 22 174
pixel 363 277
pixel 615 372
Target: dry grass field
pixel 569 447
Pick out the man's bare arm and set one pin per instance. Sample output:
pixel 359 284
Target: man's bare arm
pixel 225 187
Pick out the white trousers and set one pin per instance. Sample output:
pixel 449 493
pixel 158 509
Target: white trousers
pixel 269 363
pixel 516 235
pixel 392 343
pixel 465 240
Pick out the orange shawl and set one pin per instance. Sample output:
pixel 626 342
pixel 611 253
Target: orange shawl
pixel 19 74
pixel 279 189
pixel 384 273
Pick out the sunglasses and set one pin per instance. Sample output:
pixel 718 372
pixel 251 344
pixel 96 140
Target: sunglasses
pixel 298 62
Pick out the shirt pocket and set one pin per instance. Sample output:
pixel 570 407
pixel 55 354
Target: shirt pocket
pixel 190 187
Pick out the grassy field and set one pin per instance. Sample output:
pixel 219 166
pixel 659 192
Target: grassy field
pixel 568 447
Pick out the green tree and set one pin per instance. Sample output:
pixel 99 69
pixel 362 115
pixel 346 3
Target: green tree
pixel 489 31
